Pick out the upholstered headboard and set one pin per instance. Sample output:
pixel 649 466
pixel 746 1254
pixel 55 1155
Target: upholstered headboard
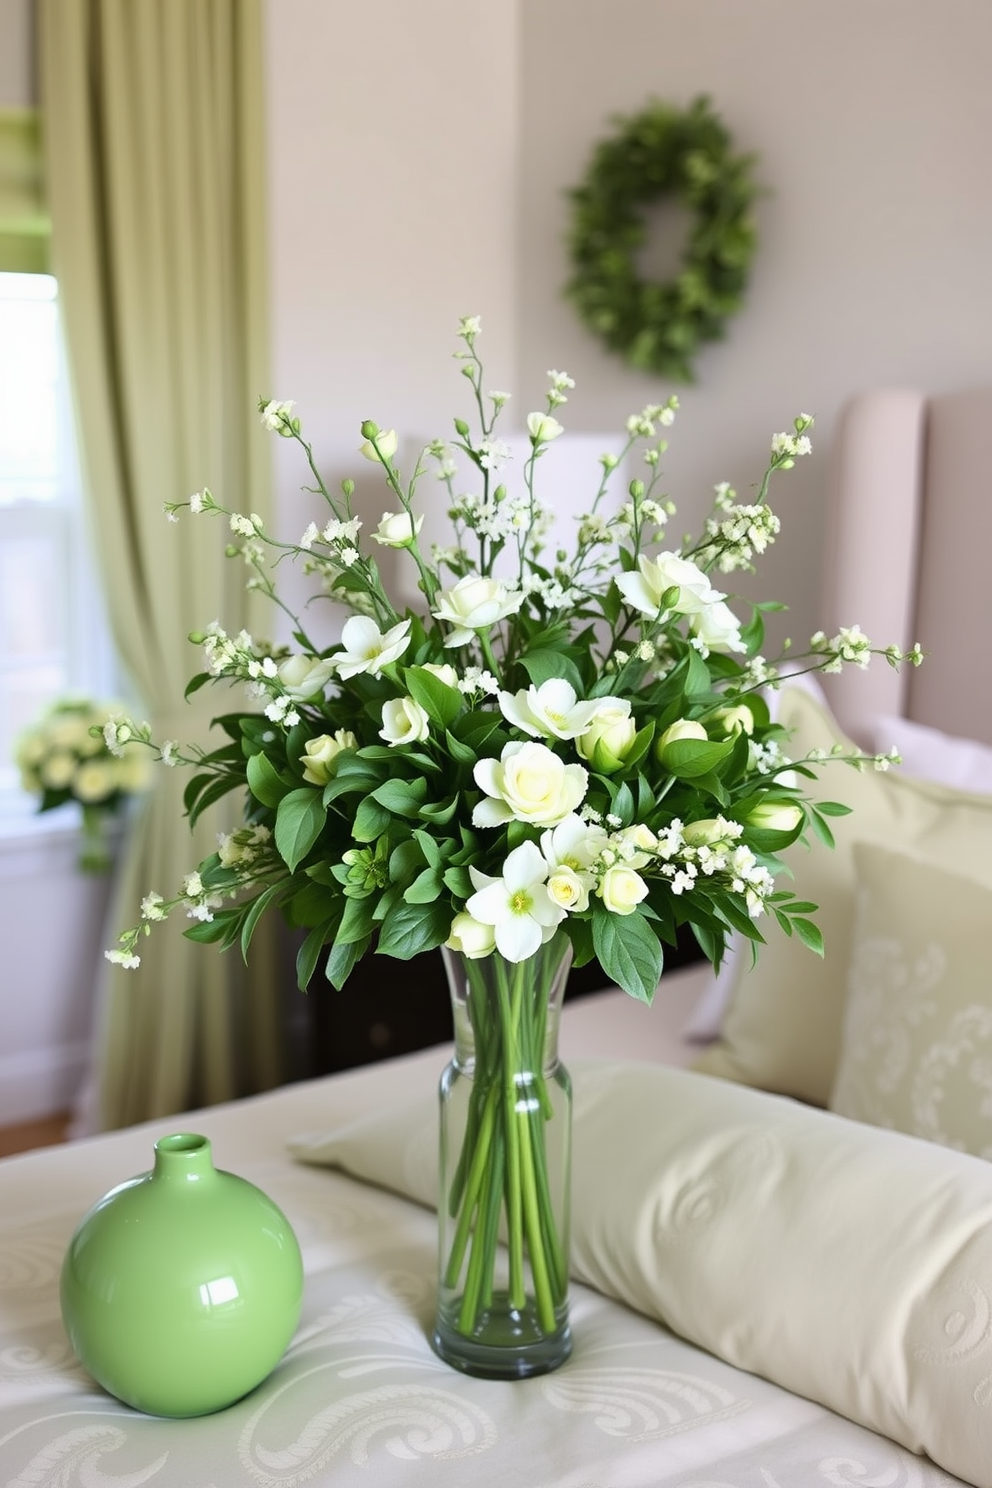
pixel 908 556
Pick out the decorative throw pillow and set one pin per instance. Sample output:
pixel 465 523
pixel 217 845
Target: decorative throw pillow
pixel 916 1046
pixel 782 1027
pixel 930 754
pixel 848 1264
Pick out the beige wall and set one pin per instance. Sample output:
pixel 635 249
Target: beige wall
pixel 872 120
pixel 421 153
pixel 393 171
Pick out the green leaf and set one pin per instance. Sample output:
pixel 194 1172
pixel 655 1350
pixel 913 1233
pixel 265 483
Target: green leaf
pixel 412 928
pixel 440 812
pixel 264 780
pixel 343 960
pixel 441 703
pixel 207 932
pixel 195 683
pixel 542 666
pixel 255 913
pixel 309 954
pixel 426 887
pixel 358 919
pixel 821 829
pixel 462 754
pixel 697 679
pixel 299 822
pixel 809 934
pixel 688 759
pixel 428 846
pixel 832 808
pixel 458 882
pixel 407 859
pixel 371 820
pixel 401 797
pixel 629 952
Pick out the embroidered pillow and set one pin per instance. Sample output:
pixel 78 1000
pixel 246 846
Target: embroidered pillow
pixel 916 1045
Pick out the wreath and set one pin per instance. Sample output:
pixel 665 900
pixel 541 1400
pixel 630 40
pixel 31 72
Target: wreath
pixel 658 327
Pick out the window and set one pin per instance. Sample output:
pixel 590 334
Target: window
pixel 53 636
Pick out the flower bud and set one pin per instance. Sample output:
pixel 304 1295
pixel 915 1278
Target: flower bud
pixel 607 741
pixel 385 446
pixel 470 937
pixel 736 720
pixel 774 816
pixel 398 529
pixel 320 754
pixel 682 728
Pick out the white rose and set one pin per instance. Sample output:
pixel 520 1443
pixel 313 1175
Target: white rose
pixel 644 587
pixel 621 889
pixel 606 742
pixel 568 889
pixel 304 676
pixel 320 753
pixel 475 603
pixel 403 721
pixel 398 529
pixel 469 936
pixel 527 783
pixel 718 628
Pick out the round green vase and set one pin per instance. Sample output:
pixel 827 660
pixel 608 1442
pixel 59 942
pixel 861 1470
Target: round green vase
pixel 182 1287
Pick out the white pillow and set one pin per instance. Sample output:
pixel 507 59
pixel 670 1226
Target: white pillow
pixel 916 1049
pixel 848 1264
pixel 930 754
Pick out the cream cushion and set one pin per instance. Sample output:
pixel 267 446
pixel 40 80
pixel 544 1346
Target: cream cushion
pixel 782 1028
pixel 916 1047
pixel 849 1264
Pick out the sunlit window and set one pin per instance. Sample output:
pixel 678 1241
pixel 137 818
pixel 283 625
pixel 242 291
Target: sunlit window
pixel 53 639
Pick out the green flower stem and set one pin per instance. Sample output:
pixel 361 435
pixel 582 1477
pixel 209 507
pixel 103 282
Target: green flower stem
pixel 502 1172
pixel 515 1237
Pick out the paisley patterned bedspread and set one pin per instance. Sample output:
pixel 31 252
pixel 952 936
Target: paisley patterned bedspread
pixel 360 1398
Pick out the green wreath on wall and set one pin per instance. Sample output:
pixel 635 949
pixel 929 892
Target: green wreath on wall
pixel 659 326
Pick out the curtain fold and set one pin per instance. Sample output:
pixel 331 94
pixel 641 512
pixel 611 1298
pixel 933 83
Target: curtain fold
pixel 153 144
pixel 24 222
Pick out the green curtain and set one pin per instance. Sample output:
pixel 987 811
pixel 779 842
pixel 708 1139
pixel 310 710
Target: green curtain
pixel 153 145
pixel 24 220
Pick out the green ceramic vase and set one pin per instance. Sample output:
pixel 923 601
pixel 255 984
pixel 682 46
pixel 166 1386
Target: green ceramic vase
pixel 182 1287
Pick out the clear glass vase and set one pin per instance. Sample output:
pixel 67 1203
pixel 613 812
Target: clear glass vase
pixel 505 1167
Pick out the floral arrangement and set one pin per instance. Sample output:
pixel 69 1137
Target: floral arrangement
pixel 560 753
pixel 65 757
pixel 557 740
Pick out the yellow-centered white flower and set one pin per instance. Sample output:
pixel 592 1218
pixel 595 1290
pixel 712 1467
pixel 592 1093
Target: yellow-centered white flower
pixel 475 603
pixel 550 711
pixel 528 783
pixel 517 905
pixel 367 649
pixel 404 721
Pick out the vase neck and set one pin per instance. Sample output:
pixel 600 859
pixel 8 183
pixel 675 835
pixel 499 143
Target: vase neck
pixel 185 1157
pixel 497 1003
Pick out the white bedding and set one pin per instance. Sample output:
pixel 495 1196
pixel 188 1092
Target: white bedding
pixel 360 1397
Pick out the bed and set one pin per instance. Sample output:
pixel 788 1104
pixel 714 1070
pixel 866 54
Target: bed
pixel 771 1291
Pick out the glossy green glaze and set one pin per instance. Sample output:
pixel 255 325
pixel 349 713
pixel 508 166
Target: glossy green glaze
pixel 182 1287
